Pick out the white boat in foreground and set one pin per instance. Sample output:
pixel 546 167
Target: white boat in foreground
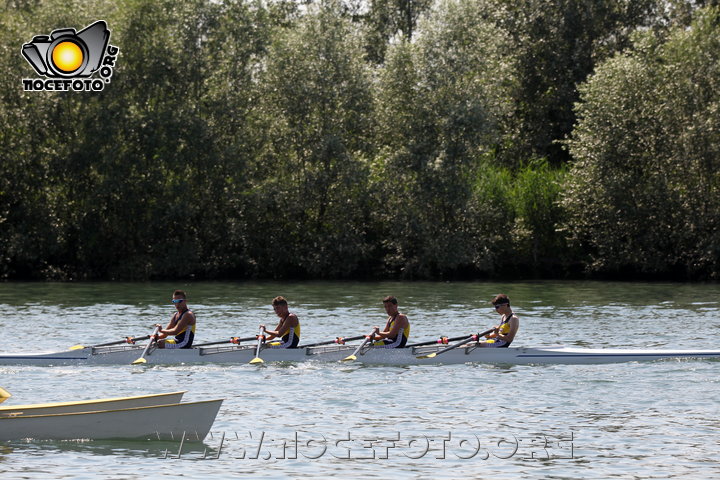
pixel 126 354
pixel 189 421
pixel 92 405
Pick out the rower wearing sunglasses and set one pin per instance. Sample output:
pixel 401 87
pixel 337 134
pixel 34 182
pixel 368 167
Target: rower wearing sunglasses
pixel 504 334
pixel 181 325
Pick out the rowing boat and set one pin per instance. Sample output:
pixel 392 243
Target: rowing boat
pixel 92 405
pixel 126 354
pixel 190 421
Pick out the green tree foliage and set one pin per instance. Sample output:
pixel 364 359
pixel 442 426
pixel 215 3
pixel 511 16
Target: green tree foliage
pixel 644 191
pixel 337 138
pixel 441 105
pixel 313 115
pixel 35 134
pixel 557 44
pixel 385 19
pixel 133 182
pixel 535 195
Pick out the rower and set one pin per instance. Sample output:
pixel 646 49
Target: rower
pixel 397 329
pixel 287 330
pixel 181 325
pixel 504 334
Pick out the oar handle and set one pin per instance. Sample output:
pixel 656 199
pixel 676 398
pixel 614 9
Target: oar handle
pixel 338 340
pixel 446 340
pixel 441 340
pixel 260 341
pixel 261 336
pixel 486 332
pixel 368 339
pixel 153 340
pixel 471 338
pixel 127 340
pixel 234 340
pixel 130 340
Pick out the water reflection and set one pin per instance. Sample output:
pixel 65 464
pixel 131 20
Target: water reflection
pixel 124 448
pixel 617 413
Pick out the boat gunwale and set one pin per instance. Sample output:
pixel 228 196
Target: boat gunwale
pixel 405 355
pixel 87 402
pixel 129 409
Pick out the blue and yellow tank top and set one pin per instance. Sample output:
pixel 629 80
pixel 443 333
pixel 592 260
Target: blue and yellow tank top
pixel 184 338
pixel 504 329
pixel 397 342
pixel 291 339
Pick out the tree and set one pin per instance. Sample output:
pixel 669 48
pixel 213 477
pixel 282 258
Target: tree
pixel 557 44
pixel 441 107
pixel 308 179
pixel 644 190
pixel 387 18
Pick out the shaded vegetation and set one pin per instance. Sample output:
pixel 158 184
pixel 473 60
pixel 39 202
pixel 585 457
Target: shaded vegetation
pixel 371 139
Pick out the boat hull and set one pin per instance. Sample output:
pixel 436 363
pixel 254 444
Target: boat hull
pixel 401 356
pixel 191 421
pixel 92 405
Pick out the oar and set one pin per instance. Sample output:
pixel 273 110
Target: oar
pixel 260 339
pixel 338 340
pixel 443 340
pixel 4 395
pixel 235 340
pixel 147 347
pixel 353 357
pixel 471 338
pixel 127 340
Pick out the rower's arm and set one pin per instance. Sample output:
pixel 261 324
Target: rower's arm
pixel 399 325
pixel 179 327
pixel 273 333
pixel 160 335
pixel 282 328
pixel 514 325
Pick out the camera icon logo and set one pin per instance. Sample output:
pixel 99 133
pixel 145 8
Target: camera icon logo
pixel 67 53
pixel 67 59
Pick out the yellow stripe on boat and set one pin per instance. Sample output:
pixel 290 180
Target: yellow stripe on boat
pixel 93 405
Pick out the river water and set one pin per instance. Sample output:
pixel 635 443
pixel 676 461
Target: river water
pixel 632 420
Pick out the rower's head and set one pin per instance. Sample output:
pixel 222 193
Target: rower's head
pixel 501 303
pixel 391 305
pixel 179 299
pixel 280 305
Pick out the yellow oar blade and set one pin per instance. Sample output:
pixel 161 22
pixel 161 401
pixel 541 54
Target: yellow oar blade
pixel 4 395
pixel 256 360
pixel 139 361
pixel 77 347
pixel 349 358
pixel 431 355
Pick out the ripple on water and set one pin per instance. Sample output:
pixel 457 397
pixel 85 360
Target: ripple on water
pixel 656 420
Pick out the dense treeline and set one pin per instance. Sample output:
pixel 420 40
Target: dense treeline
pixel 395 138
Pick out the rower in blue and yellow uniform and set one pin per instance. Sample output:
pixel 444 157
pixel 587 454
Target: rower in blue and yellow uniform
pixel 397 329
pixel 287 330
pixel 181 325
pixel 504 333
